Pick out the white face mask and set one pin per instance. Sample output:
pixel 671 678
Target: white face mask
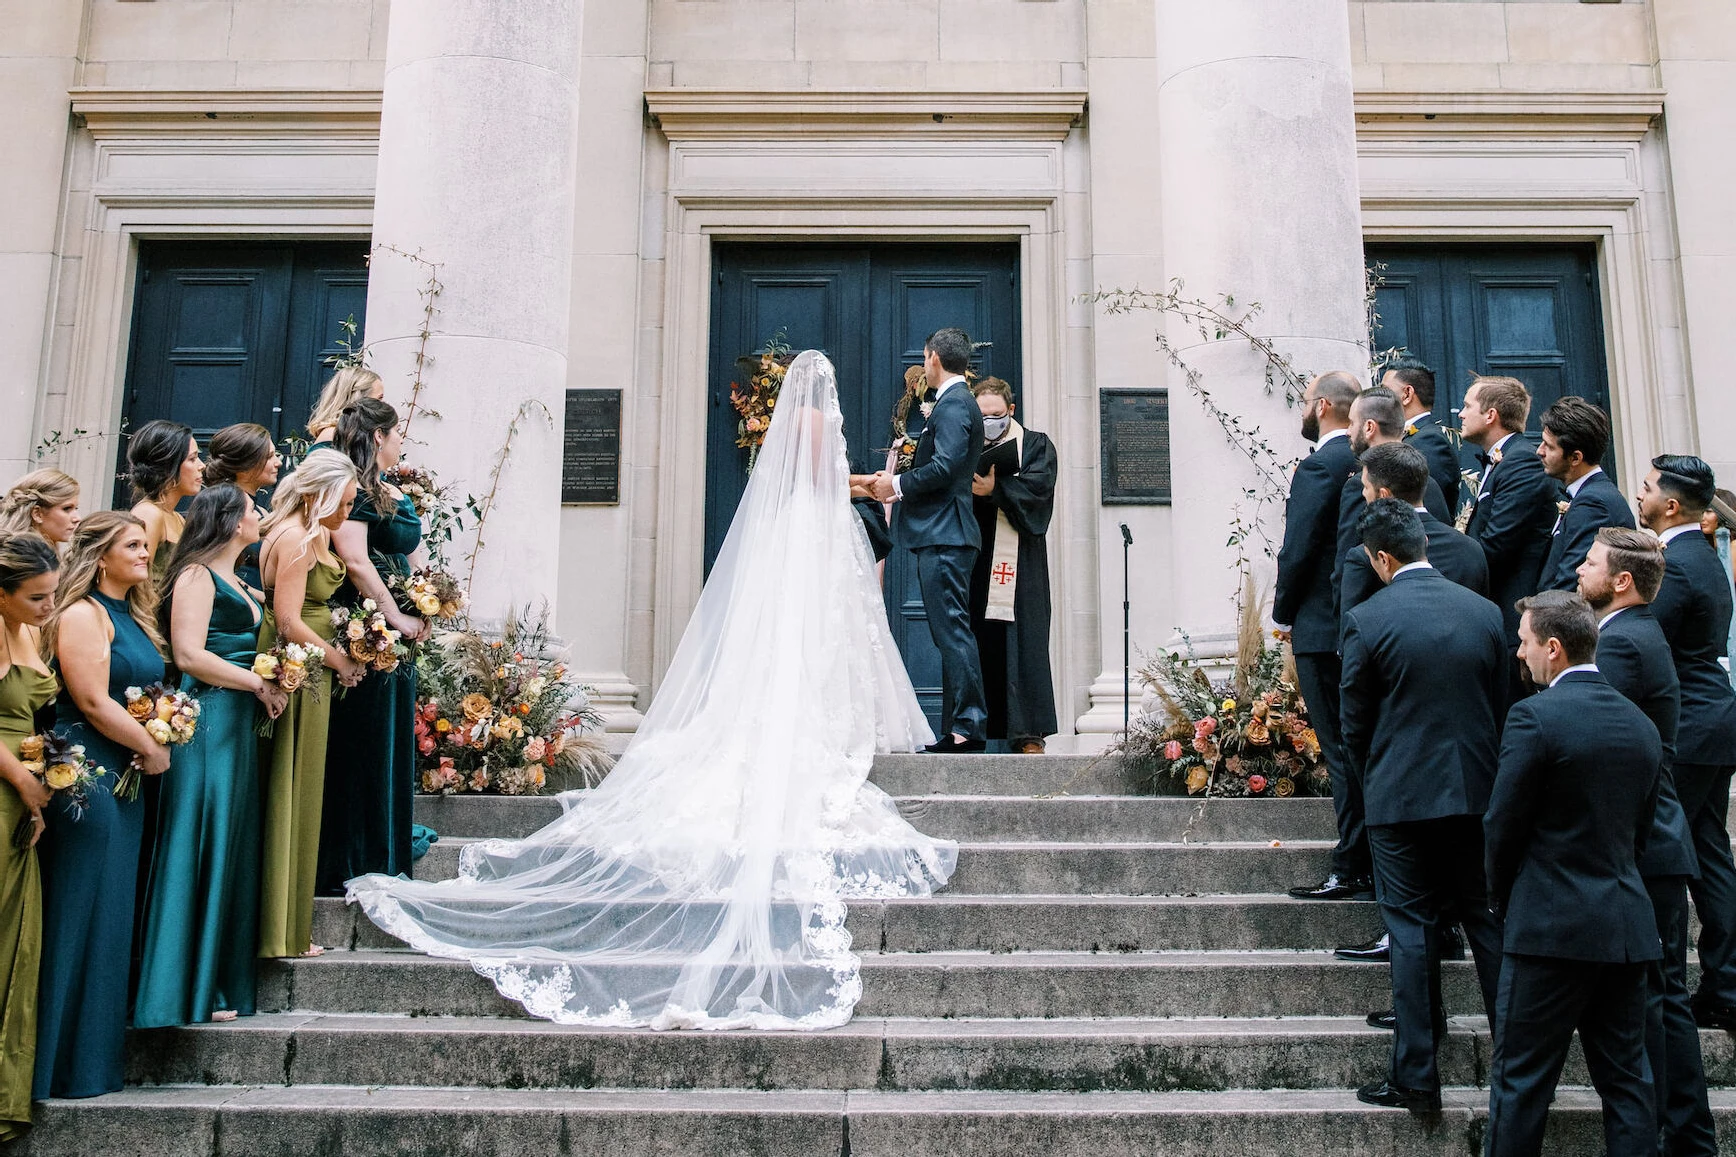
pixel 996 428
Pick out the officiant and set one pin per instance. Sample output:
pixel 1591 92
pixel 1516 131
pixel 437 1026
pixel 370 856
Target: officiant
pixel 1010 607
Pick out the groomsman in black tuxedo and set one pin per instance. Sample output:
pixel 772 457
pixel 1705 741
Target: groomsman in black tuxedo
pixel 1619 578
pixel 935 521
pixel 1425 671
pixel 1397 470
pixel 1693 607
pixel 1575 435
pixel 1515 499
pixel 1572 809
pixel 1442 445
pixel 1303 607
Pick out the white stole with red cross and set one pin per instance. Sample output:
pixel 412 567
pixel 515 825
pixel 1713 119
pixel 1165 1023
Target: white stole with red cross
pixel 1004 563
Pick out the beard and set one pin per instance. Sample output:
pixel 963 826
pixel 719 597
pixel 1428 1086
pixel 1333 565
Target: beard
pixel 1599 597
pixel 1358 443
pixel 1311 426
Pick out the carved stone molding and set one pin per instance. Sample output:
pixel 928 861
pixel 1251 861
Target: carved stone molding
pixel 144 112
pixel 1626 115
pixel 700 113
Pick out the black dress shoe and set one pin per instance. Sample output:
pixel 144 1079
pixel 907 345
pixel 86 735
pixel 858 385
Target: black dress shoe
pixel 1387 1020
pixel 1336 887
pixel 1398 1097
pixel 951 746
pixel 1452 944
pixel 1716 1016
pixel 1374 950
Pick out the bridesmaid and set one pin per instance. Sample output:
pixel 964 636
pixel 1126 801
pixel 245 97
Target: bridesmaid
pixel 245 455
pixel 202 913
pixel 301 574
pixel 43 501
pixel 343 389
pixel 371 762
pixel 103 634
pixel 163 461
pixel 28 567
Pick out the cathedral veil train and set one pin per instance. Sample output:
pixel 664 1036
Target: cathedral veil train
pixel 703 883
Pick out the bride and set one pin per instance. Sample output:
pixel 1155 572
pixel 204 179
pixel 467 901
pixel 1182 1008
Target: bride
pixel 703 883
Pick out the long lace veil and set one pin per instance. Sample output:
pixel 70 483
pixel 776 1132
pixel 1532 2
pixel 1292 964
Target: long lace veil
pixel 703 883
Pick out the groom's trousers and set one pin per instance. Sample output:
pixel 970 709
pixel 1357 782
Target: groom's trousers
pixel 943 573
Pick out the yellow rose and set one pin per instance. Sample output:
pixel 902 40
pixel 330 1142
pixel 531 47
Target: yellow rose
pixel 265 666
pixel 60 776
pixel 475 706
pixel 1197 777
pixel 30 747
pixel 158 730
pixel 443 725
pixel 428 604
pixel 1229 705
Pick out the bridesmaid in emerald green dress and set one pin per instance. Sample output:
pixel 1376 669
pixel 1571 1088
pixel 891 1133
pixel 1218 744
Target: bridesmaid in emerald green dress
pixel 301 574
pixel 371 761
pixel 163 462
pixel 245 455
pixel 28 571
pixel 103 635
pixel 200 924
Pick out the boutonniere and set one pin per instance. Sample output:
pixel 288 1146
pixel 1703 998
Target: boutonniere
pixel 1495 456
pixel 1561 507
pixel 928 409
pixel 1410 430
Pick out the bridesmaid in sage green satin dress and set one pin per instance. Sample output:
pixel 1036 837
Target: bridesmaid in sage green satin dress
pixel 28 572
pixel 301 574
pixel 371 760
pixel 201 918
pixel 103 635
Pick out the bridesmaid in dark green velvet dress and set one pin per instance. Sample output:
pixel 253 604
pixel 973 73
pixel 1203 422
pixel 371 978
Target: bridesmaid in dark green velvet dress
pixel 104 637
pixel 201 918
pixel 29 569
pixel 371 759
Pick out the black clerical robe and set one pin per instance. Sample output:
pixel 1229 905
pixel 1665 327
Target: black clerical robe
pixel 1015 655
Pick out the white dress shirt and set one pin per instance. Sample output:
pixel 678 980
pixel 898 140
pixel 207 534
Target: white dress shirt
pixel 1592 667
pixel 1677 532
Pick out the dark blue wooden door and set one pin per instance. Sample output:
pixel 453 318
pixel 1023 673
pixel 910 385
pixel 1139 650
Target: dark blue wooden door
pixel 1525 311
pixel 868 307
pixel 226 333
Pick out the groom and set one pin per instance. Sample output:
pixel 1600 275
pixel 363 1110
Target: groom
pixel 935 521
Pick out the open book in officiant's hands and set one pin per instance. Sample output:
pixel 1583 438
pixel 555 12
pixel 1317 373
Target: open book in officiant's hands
pixel 1003 459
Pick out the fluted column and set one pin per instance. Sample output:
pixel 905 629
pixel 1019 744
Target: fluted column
pixel 476 173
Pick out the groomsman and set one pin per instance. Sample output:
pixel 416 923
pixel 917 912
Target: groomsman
pixel 1693 607
pixel 1425 671
pixel 1397 470
pixel 1303 607
pixel 1575 436
pixel 1572 807
pixel 1515 499
pixel 1414 383
pixel 1619 578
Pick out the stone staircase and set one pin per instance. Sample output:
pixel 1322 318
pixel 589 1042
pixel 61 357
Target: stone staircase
pixel 1109 974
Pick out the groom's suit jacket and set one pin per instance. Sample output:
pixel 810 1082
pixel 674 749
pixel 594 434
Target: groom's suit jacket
pixel 934 507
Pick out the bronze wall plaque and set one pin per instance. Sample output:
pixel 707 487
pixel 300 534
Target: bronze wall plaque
pixel 1135 447
pixel 591 448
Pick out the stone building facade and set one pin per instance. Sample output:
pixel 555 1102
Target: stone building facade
pixel 575 169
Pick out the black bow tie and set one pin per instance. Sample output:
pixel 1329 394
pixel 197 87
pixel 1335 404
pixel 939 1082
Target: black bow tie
pixel 1483 457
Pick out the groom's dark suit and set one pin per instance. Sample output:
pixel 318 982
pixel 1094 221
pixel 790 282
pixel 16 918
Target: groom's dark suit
pixel 934 520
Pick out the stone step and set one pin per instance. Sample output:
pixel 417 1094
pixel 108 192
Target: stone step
pixel 980 818
pixel 1131 1055
pixel 903 775
pixel 326 1121
pixel 932 984
pixel 1125 869
pixel 950 922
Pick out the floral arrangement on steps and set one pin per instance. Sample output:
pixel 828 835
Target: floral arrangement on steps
pixel 502 715
pixel 755 400
pixel 1247 735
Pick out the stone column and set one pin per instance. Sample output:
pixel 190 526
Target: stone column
pixel 477 174
pixel 1697 65
pixel 40 62
pixel 1257 151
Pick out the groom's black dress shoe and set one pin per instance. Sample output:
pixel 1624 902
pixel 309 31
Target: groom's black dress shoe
pixel 1399 1097
pixel 1389 1021
pixel 951 746
pixel 1452 948
pixel 1336 887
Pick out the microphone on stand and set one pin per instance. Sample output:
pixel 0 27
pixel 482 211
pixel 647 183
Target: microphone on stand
pixel 1126 631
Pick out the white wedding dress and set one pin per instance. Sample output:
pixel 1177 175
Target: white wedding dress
pixel 703 883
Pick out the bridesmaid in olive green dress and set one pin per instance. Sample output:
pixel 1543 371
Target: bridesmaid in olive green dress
pixel 28 570
pixel 163 462
pixel 201 937
pixel 301 573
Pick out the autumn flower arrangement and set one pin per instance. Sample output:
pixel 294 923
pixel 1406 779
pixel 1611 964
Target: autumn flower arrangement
pixel 432 593
pixel 755 400
pixel 289 666
pixel 63 769
pixel 361 632
pixel 502 715
pixel 1247 735
pixel 169 717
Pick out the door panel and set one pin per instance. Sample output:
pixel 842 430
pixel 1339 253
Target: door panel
pixel 868 308
pixel 328 288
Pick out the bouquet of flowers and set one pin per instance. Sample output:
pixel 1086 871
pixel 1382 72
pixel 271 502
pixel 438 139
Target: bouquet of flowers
pixel 169 717
pixel 289 666
pixel 501 715
pixel 1247 735
pixel 432 593
pixel 756 400
pixel 418 485
pixel 63 768
pixel 361 632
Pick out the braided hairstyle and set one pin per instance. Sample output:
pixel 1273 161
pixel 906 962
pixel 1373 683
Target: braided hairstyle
pixel 38 490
